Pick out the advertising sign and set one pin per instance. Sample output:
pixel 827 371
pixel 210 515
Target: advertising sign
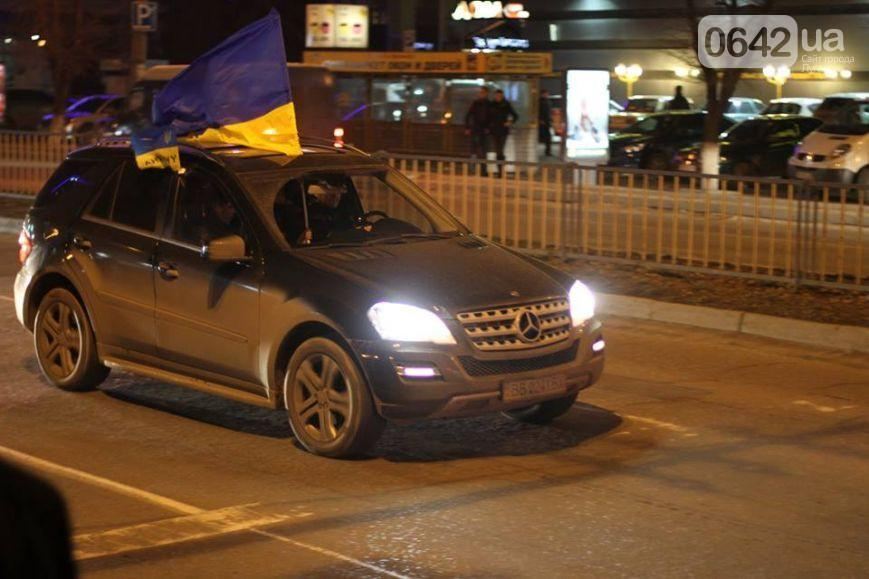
pixel 336 26
pixel 588 97
pixel 433 62
pixel 320 26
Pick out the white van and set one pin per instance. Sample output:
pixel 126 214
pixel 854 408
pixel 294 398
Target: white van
pixel 838 151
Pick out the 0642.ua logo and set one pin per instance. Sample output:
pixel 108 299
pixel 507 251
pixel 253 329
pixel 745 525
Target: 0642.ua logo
pixel 758 40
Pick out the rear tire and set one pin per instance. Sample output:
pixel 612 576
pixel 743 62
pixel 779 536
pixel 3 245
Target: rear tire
pixel 65 344
pixel 328 403
pixel 543 412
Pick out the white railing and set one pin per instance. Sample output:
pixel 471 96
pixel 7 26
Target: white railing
pixel 765 228
pixel 759 227
pixel 27 159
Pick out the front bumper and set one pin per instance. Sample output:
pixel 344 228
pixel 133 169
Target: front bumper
pixel 470 382
pixel 810 174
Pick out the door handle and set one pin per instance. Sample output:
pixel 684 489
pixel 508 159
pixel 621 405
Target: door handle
pixel 167 270
pixel 83 243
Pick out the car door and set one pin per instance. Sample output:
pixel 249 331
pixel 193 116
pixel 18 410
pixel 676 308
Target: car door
pixel 207 312
pixel 781 139
pixel 113 245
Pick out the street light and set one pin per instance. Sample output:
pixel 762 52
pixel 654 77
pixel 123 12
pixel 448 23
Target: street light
pixel 629 75
pixel 777 76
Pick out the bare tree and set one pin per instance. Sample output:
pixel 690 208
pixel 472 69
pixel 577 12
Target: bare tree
pixel 720 84
pixel 72 38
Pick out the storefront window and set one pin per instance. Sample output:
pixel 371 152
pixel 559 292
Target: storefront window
pixel 389 97
pixel 428 100
pixel 351 96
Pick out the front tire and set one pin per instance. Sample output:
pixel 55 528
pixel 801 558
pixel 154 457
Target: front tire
pixel 66 348
pixel 543 412
pixel 328 403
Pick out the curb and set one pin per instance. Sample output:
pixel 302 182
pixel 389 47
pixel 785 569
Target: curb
pixel 839 337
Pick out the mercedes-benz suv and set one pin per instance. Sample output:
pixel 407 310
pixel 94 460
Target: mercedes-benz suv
pixel 329 285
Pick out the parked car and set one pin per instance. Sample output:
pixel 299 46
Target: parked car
pixel 759 146
pixel 639 107
pixel 741 108
pixel 328 284
pixel 89 115
pixel 653 142
pixel 828 110
pixel 25 109
pixel 838 151
pixel 792 106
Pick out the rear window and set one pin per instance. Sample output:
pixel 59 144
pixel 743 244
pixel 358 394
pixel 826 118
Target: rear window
pixel 73 184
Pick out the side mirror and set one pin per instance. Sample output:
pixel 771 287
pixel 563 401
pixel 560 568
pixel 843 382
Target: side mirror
pixel 229 248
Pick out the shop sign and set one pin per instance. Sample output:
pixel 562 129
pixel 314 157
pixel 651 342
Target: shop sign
pixel 484 9
pixel 336 26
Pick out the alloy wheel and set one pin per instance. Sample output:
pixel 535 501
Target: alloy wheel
pixel 321 398
pixel 60 340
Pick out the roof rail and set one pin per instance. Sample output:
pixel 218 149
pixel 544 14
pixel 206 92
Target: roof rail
pixel 125 141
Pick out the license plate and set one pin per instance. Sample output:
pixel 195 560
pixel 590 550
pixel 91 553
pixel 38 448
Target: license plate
pixel 532 388
pixel 805 175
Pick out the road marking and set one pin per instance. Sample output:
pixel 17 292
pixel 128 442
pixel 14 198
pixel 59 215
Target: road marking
pixel 821 408
pixel 662 424
pixel 8 299
pixel 175 530
pixel 99 481
pixel 177 506
pixel 329 553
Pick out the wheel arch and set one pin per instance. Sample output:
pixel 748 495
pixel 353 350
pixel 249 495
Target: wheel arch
pixel 44 284
pixel 293 339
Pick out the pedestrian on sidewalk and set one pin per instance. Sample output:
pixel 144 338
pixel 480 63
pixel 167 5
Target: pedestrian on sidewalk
pixel 477 123
pixel 502 117
pixel 544 123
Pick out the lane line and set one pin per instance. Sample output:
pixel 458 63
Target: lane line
pixel 8 299
pixel 172 531
pixel 329 553
pixel 171 504
pixel 99 481
pixel 661 424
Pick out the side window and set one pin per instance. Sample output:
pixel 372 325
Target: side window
pixel 73 182
pixel 205 211
pixel 140 196
pixel 390 206
pixel 105 198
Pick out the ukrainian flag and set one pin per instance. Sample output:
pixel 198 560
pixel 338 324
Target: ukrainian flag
pixel 236 93
pixel 156 148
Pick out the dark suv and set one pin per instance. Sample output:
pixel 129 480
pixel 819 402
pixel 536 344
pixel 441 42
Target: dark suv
pixel 329 284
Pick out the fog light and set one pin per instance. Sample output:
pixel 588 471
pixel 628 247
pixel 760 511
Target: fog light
pixel 598 346
pixel 418 372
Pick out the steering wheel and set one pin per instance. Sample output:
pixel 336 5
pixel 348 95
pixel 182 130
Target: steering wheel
pixel 365 220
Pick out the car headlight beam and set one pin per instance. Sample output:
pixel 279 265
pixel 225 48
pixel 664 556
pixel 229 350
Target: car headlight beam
pixel 406 323
pixel 581 303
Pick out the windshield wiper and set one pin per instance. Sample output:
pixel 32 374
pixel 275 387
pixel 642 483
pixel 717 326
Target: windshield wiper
pixel 404 237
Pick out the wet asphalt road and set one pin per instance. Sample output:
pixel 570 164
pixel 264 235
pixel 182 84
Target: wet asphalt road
pixel 699 454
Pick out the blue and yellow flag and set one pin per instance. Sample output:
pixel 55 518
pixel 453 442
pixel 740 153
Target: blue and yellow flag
pixel 156 148
pixel 236 93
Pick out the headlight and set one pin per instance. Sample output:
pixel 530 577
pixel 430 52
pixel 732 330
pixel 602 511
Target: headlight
pixel 581 303
pixel 631 149
pixel 840 151
pixel 404 323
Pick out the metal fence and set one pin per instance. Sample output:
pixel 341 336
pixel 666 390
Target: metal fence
pixel 760 227
pixel 27 159
pixel 764 228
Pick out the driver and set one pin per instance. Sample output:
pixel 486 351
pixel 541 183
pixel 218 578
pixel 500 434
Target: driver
pixel 327 208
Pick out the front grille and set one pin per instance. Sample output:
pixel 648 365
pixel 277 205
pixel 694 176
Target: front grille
pixel 498 329
pixel 476 368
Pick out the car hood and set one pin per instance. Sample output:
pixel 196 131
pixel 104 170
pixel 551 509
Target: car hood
pixel 818 143
pixel 461 273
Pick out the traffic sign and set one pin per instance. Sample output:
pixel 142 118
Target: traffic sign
pixel 144 16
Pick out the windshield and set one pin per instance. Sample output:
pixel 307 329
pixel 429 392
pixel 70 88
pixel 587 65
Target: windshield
pixel 646 126
pixel 642 105
pixel 87 105
pixel 850 119
pixel 782 109
pixel 747 131
pixel 352 208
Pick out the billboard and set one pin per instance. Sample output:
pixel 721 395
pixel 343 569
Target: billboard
pixel 336 26
pixel 588 97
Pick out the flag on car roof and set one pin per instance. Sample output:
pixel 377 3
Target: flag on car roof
pixel 236 93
